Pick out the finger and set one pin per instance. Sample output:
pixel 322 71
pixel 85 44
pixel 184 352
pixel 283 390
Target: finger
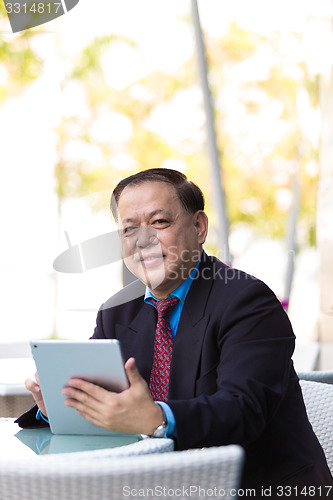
pixel 90 413
pixel 93 418
pixel 76 395
pixel 33 387
pixel 83 391
pixel 132 372
pixel 82 385
pixel 36 392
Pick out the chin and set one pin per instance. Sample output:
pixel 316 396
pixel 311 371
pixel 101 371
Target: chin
pixel 154 280
pixel 150 277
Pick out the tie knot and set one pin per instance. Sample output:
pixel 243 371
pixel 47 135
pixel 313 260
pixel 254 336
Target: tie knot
pixel 164 306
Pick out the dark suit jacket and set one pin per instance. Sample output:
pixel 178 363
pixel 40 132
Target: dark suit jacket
pixel 232 380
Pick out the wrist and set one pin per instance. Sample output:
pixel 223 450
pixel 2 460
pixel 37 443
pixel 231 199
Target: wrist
pixel 161 425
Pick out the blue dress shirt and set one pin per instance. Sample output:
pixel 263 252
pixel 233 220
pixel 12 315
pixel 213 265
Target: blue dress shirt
pixel 174 317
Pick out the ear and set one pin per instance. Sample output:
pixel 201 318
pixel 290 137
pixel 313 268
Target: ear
pixel 200 220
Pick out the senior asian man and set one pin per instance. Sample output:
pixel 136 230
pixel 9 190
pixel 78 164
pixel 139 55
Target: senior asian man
pixel 207 347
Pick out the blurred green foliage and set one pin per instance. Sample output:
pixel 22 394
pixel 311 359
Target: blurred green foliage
pixel 20 61
pixel 255 178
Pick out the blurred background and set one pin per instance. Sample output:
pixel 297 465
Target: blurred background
pixel 114 87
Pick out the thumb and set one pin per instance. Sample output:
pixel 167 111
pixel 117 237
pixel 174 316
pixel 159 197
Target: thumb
pixel 132 372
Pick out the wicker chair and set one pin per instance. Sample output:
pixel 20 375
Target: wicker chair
pixel 325 377
pixel 318 398
pixel 209 473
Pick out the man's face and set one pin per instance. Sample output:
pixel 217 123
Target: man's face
pixel 161 241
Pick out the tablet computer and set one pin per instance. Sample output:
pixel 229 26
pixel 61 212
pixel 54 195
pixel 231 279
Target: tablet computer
pixel 98 361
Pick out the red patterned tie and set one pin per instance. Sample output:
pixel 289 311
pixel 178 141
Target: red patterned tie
pixel 159 378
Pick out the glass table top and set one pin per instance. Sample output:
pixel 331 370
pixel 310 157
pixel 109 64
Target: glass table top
pixel 21 443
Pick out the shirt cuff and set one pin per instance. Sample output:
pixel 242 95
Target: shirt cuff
pixel 40 415
pixel 171 421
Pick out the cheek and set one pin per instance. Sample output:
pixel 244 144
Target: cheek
pixel 125 249
pixel 128 247
pixel 134 267
pixel 185 246
pixel 171 245
pixel 173 254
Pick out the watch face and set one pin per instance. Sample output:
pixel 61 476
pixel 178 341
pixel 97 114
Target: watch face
pixel 160 431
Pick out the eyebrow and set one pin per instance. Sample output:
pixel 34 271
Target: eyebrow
pixel 165 213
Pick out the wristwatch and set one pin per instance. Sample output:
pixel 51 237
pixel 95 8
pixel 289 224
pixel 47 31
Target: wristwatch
pixel 160 431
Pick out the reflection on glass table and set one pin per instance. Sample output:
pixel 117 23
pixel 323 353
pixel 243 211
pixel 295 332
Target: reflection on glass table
pixel 43 442
pixel 19 443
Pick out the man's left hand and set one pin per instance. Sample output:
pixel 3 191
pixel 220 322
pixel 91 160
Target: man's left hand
pixel 131 411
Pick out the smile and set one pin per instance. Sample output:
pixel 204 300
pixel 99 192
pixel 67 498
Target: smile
pixel 151 259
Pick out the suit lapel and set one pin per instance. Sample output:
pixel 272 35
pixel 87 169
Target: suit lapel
pixel 137 339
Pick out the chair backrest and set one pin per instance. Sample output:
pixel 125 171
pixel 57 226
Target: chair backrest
pixel 209 473
pixel 325 377
pixel 318 398
pixel 306 356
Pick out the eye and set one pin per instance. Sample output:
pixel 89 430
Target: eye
pixel 160 222
pixel 129 230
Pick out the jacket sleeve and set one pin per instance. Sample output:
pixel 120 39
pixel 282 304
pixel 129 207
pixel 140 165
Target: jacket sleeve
pixel 29 420
pixel 237 398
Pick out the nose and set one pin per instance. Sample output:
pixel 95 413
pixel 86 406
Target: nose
pixel 146 236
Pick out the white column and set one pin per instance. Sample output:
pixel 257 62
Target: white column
pixel 325 224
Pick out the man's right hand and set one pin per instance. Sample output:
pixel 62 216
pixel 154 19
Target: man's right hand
pixel 34 387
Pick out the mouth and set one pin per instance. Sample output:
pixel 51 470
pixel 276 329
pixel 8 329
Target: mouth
pixel 150 260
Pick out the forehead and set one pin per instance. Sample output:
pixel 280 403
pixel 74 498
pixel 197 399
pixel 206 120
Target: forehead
pixel 148 197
